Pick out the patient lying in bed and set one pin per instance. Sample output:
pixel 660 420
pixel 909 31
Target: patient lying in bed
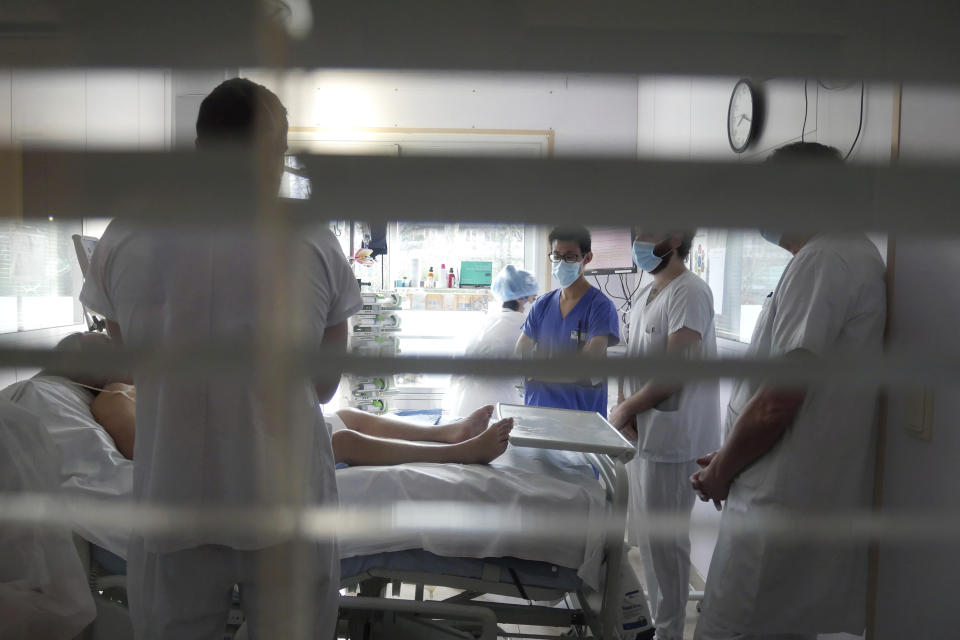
pixel 358 438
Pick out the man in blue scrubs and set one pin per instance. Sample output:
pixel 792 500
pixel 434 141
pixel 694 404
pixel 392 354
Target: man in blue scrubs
pixel 575 317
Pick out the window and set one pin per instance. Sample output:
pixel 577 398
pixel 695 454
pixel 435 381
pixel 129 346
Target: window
pixel 417 247
pixel 742 269
pixel 442 322
pixel 39 275
pixel 436 322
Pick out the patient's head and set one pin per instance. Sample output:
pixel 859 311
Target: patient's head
pixel 90 343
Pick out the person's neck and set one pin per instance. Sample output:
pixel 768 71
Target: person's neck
pixel 576 290
pixel 793 244
pixel 673 269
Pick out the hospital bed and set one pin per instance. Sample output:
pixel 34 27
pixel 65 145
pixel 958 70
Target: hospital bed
pixel 502 579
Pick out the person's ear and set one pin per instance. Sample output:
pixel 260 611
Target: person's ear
pixel 588 257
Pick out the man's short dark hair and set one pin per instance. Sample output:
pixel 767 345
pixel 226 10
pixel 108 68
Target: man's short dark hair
pixel 580 235
pixel 805 152
pixel 236 110
pixel 513 305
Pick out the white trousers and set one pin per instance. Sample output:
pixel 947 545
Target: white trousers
pixel 707 629
pixel 187 594
pixel 663 488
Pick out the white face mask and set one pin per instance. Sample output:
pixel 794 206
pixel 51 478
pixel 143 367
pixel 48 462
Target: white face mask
pixel 527 303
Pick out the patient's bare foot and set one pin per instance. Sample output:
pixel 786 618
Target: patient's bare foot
pixel 487 446
pixel 470 427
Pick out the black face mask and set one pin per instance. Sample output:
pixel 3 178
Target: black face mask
pixel 664 259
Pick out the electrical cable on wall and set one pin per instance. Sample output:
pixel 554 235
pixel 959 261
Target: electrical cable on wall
pixel 806 109
pixel 860 125
pixel 627 298
pixel 836 87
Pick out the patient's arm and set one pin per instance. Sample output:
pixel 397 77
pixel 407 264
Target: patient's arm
pixel 359 449
pixel 116 412
pixel 400 429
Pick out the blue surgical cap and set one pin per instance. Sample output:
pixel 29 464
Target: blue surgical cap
pixel 512 284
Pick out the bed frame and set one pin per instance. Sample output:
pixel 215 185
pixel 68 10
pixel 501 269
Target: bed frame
pixel 370 614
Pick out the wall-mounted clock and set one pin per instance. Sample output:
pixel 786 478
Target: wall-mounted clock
pixel 744 116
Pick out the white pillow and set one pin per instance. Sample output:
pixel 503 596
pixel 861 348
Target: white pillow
pixel 90 464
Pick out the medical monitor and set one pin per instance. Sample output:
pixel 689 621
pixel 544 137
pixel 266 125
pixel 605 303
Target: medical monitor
pixel 476 273
pixel 612 251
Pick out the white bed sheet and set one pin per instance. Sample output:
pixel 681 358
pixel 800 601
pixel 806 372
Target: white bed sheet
pixel 90 464
pixel 522 479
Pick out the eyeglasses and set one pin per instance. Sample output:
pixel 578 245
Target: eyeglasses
pixel 568 258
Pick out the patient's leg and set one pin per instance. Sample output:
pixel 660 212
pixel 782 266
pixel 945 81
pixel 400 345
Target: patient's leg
pixel 359 449
pixel 400 429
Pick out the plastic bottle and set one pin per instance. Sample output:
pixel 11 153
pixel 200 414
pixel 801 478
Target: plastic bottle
pixel 431 279
pixel 451 279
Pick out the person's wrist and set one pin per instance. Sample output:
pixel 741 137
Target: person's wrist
pixel 721 468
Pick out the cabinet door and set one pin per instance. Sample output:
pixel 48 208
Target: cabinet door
pixel 113 111
pixel 49 108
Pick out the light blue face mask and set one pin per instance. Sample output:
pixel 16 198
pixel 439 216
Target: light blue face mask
pixel 771 236
pixel 566 273
pixel 645 258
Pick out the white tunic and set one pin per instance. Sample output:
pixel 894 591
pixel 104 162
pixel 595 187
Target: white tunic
pixel 686 425
pixel 497 339
pixel 209 442
pixel 830 301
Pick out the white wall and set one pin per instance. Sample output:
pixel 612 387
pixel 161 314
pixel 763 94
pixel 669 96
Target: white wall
pixel 78 109
pixel 917 582
pixel 591 115
pixel 684 118
pixel 95 109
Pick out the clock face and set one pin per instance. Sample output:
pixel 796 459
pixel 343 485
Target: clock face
pixel 741 117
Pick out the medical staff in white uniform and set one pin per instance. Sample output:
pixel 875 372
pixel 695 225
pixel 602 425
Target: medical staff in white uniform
pixel 213 442
pixel 788 453
pixel 517 289
pixel 673 425
pixel 43 588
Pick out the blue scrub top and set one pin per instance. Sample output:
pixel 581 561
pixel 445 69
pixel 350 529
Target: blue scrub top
pixel 594 315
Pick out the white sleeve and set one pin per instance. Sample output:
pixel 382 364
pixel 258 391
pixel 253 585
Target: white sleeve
pixel 690 307
pixel 339 293
pixel 811 304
